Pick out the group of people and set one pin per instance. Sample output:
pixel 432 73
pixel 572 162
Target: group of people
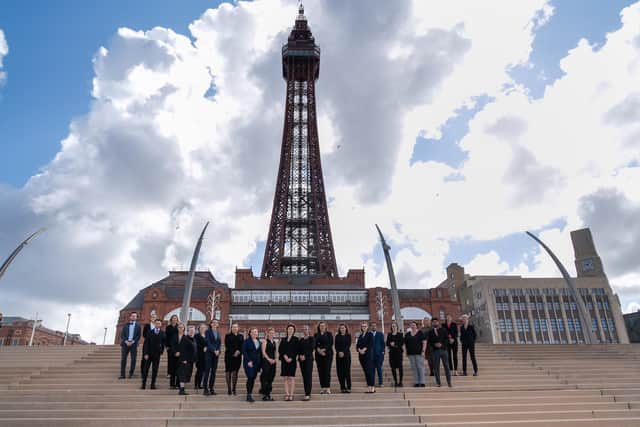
pixel 188 348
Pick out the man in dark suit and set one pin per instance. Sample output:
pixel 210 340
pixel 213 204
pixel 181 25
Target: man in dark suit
pixel 468 341
pixel 145 330
pixel 426 328
pixel 438 340
pixel 152 349
pixel 212 355
pixel 129 337
pixel 452 347
pixel 378 351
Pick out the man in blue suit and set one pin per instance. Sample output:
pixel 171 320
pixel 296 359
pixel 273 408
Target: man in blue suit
pixel 129 337
pixel 378 351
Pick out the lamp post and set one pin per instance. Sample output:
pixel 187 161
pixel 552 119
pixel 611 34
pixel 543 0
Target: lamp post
pixel 380 305
pixel 104 339
pixel 66 332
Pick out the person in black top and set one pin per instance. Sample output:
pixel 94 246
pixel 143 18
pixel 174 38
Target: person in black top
pixel 324 357
pixel 145 330
pixel 232 357
pixel 468 340
pixel 438 339
pixel 252 358
pixel 288 351
pixel 201 345
pixel 171 333
pixel 452 347
pixel 364 345
pixel 306 348
pixel 152 349
pixel 268 365
pixel 186 354
pixel 416 345
pixel 342 346
pixel 395 341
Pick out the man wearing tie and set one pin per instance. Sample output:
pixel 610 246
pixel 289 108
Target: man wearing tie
pixel 212 355
pixel 438 339
pixel 152 349
pixel 378 351
pixel 129 337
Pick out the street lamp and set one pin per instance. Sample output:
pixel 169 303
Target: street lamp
pixel 380 306
pixel 33 330
pixel 104 340
pixel 66 332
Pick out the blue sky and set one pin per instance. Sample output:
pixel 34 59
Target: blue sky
pixel 50 71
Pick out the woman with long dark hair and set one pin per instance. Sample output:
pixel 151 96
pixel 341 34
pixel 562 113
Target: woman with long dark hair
pixel 171 333
pixel 201 344
pixel 288 350
pixel 395 341
pixel 343 357
pixel 306 348
pixel 252 356
pixel 232 357
pixel 324 357
pixel 364 345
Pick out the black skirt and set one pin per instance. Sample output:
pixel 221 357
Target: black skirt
pixel 395 358
pixel 184 372
pixel 232 364
pixel 288 369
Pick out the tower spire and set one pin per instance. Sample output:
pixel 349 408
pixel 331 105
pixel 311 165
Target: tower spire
pixel 299 240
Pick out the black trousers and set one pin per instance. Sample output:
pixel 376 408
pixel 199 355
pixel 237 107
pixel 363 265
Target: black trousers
pixel 343 368
pixel 250 382
pixel 440 354
pixel 200 369
pixel 452 351
pixel 367 366
pixel 266 377
pixel 172 369
pixel 324 370
pixel 471 348
pixel 429 357
pixel 306 368
pixel 210 368
pixel 126 350
pixel 377 364
pixel 153 362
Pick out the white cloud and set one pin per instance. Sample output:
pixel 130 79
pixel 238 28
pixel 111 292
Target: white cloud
pixel 137 177
pixel 4 50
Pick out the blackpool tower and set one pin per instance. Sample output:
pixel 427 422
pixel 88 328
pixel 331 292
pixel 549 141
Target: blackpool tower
pixel 299 240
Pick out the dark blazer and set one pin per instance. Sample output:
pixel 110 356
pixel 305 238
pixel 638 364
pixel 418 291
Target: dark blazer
pixel 187 348
pixel 343 344
pixel 467 335
pixel 201 343
pixel 145 330
pixel 124 336
pixel 452 328
pixel 214 342
pixel 378 343
pixel 324 341
pixel 171 333
pixel 441 337
pixel 306 347
pixel 251 354
pixel 290 348
pixel 398 340
pixel 232 343
pixel 154 344
pixel 366 341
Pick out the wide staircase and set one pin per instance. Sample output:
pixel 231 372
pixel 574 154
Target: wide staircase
pixel 522 386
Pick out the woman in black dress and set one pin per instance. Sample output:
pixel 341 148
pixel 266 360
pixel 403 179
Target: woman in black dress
pixel 232 357
pixel 171 334
pixel 268 365
pixel 201 344
pixel 343 358
pixel 364 345
pixel 288 350
pixel 306 347
pixel 324 357
pixel 395 341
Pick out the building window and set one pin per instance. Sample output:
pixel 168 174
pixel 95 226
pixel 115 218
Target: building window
pixel 442 315
pixel 612 325
pixel 577 324
pixel 604 325
pixel 594 324
pixel 570 325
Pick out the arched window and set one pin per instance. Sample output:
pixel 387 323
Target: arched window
pixel 195 315
pixel 413 313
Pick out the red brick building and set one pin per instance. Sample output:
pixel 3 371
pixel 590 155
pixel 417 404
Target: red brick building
pixel 17 331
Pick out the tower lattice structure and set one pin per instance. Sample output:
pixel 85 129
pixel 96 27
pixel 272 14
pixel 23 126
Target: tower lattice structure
pixel 299 240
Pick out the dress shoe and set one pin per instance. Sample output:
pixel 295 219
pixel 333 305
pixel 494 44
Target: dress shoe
pixel 143 387
pixel 250 398
pixel 206 392
pixel 153 387
pixel 212 392
pixel 121 377
pixel 183 392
